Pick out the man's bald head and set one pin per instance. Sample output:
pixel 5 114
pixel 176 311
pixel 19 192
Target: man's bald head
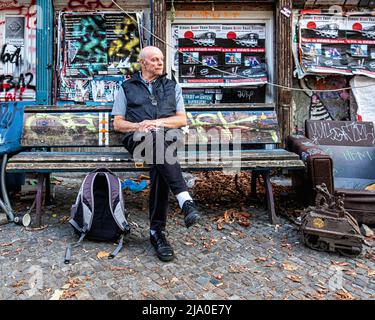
pixel 147 51
pixel 152 62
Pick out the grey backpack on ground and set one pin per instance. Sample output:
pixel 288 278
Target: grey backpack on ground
pixel 99 213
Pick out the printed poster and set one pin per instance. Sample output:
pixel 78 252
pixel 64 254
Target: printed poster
pixel 220 54
pixel 98 51
pixel 337 44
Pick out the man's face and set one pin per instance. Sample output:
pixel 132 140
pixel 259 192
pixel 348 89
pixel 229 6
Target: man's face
pixel 153 63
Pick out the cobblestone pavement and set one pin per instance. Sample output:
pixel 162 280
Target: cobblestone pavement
pixel 261 261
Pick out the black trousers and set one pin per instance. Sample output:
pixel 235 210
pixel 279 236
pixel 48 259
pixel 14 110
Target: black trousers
pixel 164 177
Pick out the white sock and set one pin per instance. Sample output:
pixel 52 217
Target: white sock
pixel 182 197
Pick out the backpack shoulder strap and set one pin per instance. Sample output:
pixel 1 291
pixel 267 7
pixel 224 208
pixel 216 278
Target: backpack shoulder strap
pixel 117 202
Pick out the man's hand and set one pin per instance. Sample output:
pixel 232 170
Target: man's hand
pixel 147 125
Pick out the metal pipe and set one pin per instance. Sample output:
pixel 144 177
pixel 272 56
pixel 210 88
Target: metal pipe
pixel 6 206
pixel 152 22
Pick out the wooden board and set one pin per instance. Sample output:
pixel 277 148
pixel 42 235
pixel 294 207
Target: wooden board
pixel 130 166
pixel 252 126
pixel 79 129
pixel 64 157
pixel 93 128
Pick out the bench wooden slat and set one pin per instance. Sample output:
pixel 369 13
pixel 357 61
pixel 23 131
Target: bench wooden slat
pixel 131 166
pixel 271 155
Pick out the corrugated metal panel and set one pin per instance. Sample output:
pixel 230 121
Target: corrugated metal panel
pixel 100 5
pixel 44 39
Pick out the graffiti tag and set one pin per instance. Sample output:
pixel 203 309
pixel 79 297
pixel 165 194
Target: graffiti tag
pixel 88 5
pixel 7 57
pixel 350 132
pixel 14 88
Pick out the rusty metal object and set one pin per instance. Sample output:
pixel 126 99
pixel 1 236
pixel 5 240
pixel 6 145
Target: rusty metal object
pixel 329 227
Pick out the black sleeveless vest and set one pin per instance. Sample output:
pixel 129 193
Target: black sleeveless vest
pixel 139 99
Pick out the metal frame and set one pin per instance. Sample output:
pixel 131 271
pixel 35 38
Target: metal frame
pixel 5 204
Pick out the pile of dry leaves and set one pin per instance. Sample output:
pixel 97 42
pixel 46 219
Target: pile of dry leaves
pixel 233 215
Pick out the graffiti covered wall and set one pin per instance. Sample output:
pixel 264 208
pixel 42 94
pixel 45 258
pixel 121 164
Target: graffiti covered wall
pixel 309 105
pixel 17 50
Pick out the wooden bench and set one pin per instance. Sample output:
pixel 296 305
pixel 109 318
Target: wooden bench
pixel 74 126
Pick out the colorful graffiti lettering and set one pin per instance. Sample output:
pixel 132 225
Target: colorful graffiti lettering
pixel 67 121
pixel 88 5
pixel 253 124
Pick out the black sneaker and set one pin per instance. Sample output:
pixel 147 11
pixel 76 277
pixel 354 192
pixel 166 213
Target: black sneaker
pixel 162 247
pixel 191 213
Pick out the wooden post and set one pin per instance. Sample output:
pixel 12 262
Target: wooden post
pixel 159 23
pixel 284 64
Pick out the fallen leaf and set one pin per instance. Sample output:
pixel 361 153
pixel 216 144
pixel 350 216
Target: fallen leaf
pixel 102 254
pixel 64 219
pixel 344 295
pixel 7 244
pixel 236 268
pixel 208 228
pixel 350 272
pixel 338 263
pixel 174 280
pixel 261 259
pixel 67 294
pixel 294 278
pixel 289 267
pixel 36 229
pixel 371 273
pixel 272 264
pixel 18 284
pixel 361 265
pixel 57 295
pixel 244 223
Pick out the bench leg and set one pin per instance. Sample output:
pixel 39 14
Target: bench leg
pixel 269 198
pixel 47 198
pixel 39 198
pixel 253 185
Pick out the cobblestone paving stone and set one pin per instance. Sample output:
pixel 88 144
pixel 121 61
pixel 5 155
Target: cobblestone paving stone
pixel 258 262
